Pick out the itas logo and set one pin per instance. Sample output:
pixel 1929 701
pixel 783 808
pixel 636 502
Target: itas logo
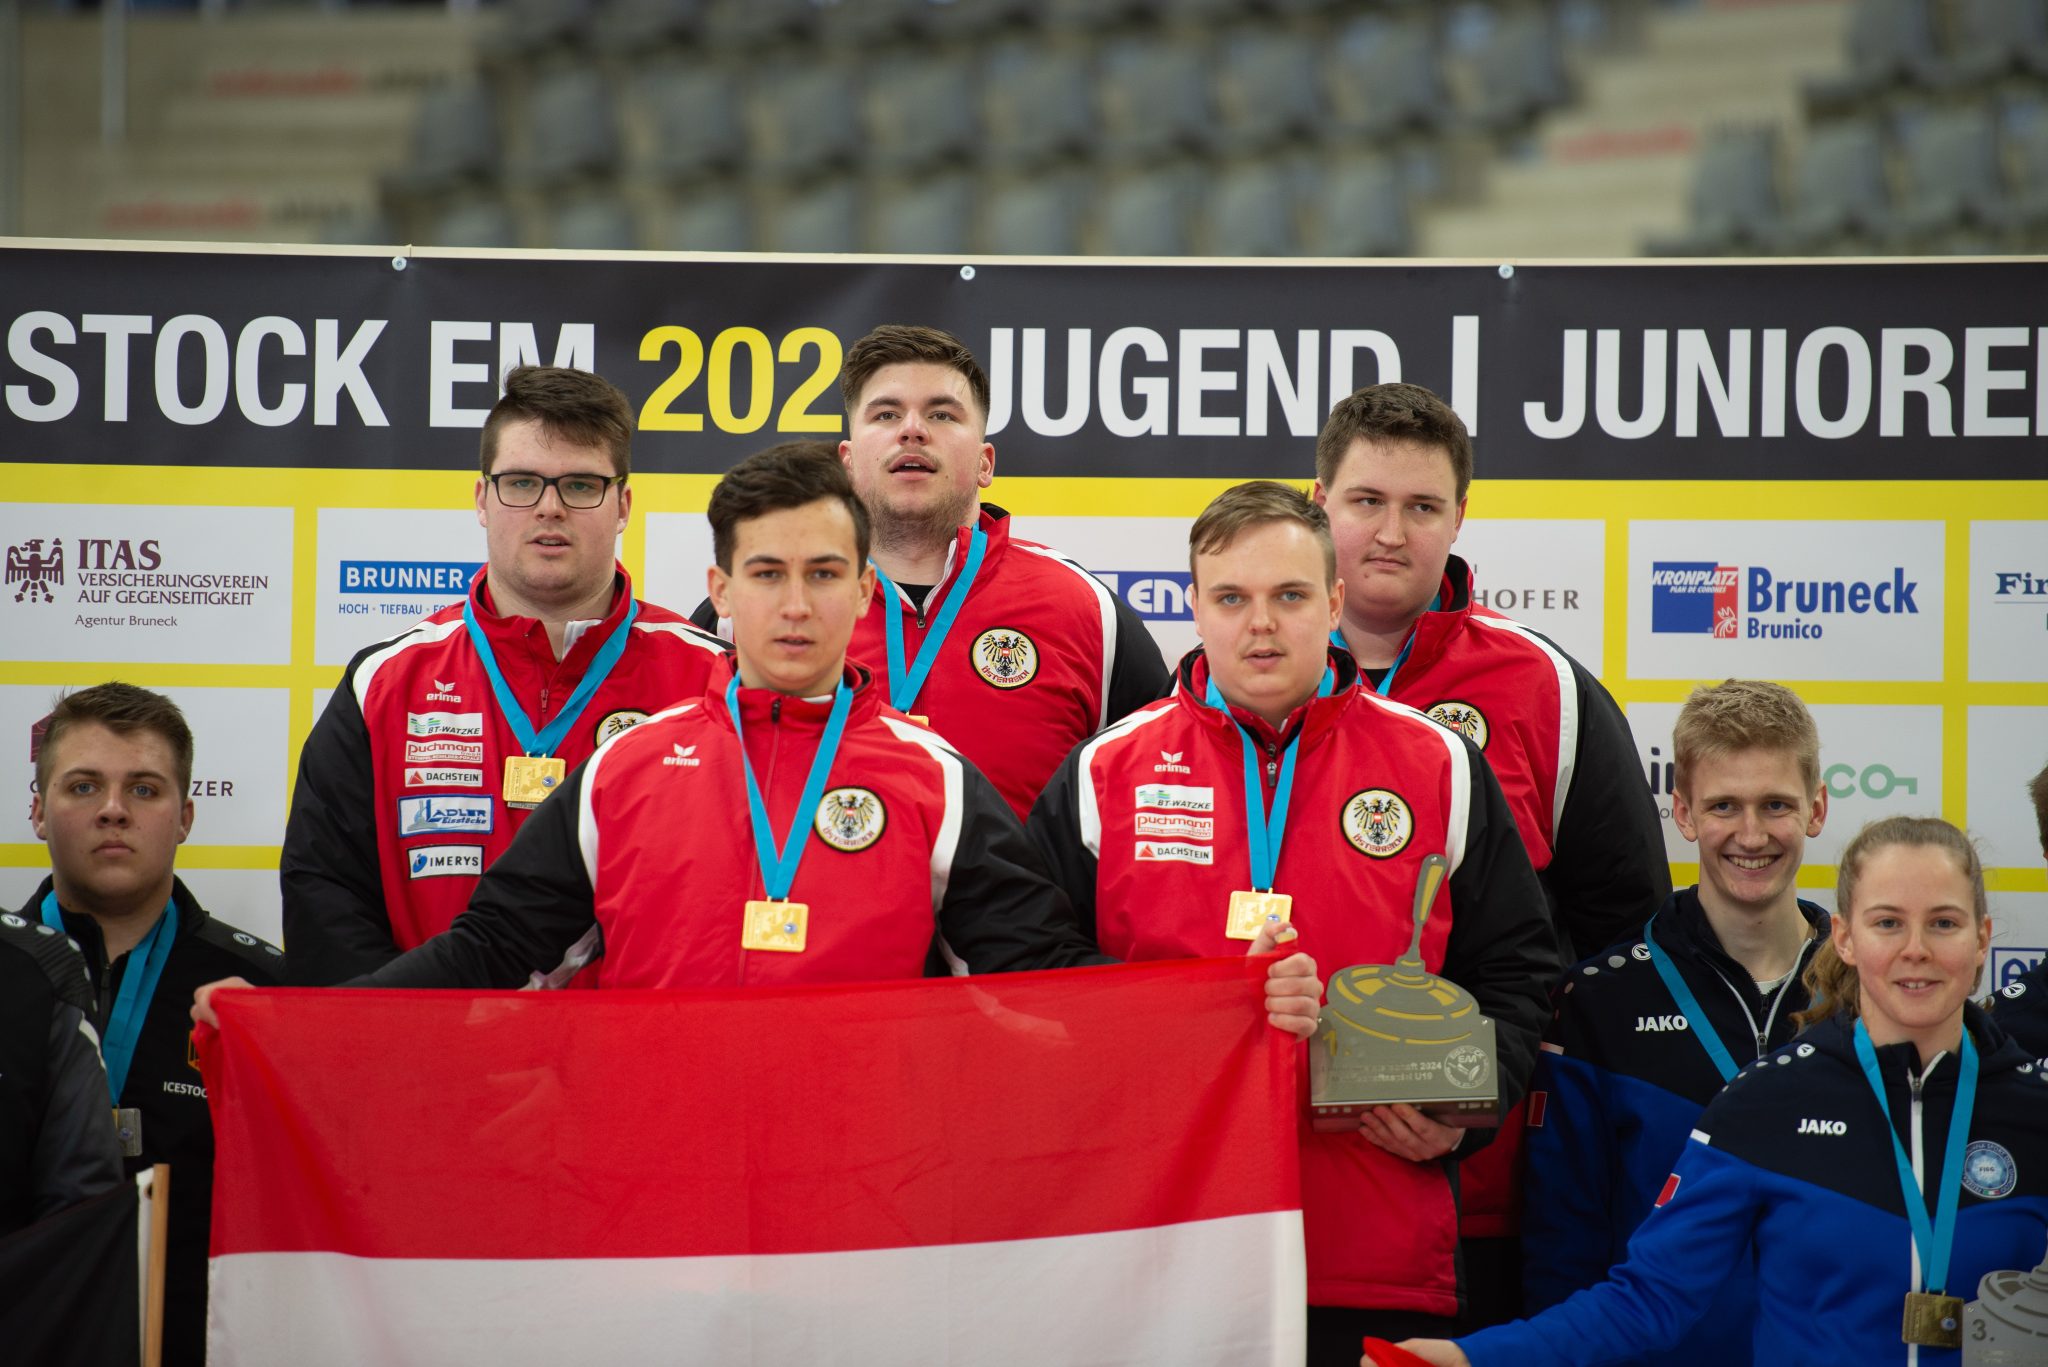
pixel 1169 763
pixel 685 757
pixel 36 570
pixel 438 577
pixel 435 815
pixel 1694 598
pixel 441 692
pixel 1155 595
pixel 446 861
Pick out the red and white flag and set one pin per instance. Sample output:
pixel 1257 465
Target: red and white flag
pixel 1089 1166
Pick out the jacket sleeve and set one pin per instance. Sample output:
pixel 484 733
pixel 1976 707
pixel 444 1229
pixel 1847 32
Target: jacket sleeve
pixel 528 909
pixel 1000 911
pixel 1502 947
pixel 1137 671
pixel 1608 872
pixel 76 1156
pixel 1055 832
pixel 1676 1264
pixel 334 915
pixel 1568 1195
pixel 705 616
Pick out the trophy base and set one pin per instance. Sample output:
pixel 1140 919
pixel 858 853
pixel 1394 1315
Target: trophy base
pixel 1467 1113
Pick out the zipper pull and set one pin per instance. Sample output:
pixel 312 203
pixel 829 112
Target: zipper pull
pixel 775 709
pixel 543 700
pixel 1763 1044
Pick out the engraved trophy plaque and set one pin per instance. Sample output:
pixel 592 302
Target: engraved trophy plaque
pixel 1399 1033
pixel 2007 1325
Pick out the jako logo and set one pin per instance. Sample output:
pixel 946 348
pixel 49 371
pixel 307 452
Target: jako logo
pixel 685 757
pixel 1170 763
pixel 1699 598
pixel 1155 595
pixel 1649 1024
pixel 1836 1127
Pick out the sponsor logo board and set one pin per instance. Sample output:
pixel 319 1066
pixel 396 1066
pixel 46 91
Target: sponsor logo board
pixel 2007 747
pixel 2009 601
pixel 382 569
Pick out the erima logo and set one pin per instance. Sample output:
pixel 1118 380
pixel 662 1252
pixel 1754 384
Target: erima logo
pixel 1170 763
pixel 1650 1024
pixel 1810 1126
pixel 443 692
pixel 685 757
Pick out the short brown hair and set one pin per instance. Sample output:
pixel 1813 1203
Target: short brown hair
pixel 574 406
pixel 2037 789
pixel 1394 412
pixel 900 344
pixel 790 475
pixel 1243 506
pixel 1744 714
pixel 123 709
pixel 1830 983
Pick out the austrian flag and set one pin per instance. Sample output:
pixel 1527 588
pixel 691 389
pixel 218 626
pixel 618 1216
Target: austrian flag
pixel 1087 1166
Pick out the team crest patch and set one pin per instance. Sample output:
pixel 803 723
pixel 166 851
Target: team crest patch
pixel 617 724
pixel 1005 658
pixel 1378 823
pixel 1988 1170
pixel 1462 717
pixel 850 819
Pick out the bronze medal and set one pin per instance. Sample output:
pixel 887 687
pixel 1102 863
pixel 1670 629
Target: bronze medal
pixel 781 927
pixel 530 778
pixel 1251 912
pixel 1933 1321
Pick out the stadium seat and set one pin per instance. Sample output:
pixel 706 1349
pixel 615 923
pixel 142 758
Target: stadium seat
pixel 971 20
pixel 1891 43
pixel 1266 88
pixel 739 26
pixel 571 128
pixel 1840 186
pixel 1384 78
pixel 1992 38
pixel 1150 212
pixel 472 223
pixel 454 141
pixel 920 113
pixel 1952 174
pixel 529 28
pixel 695 123
pixel 709 219
pixel 1735 202
pixel 1098 16
pixel 824 217
pixel 634 28
pixel 602 223
pixel 846 24
pixel 1037 217
pixel 1251 212
pixel 1154 95
pixel 1518 71
pixel 930 215
pixel 803 118
pixel 1361 209
pixel 1037 104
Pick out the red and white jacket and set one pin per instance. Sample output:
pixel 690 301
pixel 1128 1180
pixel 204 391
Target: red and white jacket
pixel 1564 756
pixel 399 805
pixel 1041 657
pixel 650 840
pixel 1146 827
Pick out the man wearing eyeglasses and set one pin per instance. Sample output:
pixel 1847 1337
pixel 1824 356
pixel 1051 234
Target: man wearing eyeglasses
pixel 440 741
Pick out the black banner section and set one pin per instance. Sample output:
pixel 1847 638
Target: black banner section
pixel 1910 370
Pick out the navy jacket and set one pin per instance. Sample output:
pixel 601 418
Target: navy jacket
pixel 2021 1008
pixel 1791 1168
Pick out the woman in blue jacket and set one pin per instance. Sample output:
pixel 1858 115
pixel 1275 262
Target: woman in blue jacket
pixel 1874 1169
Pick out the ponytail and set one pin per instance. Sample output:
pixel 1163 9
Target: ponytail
pixel 1830 987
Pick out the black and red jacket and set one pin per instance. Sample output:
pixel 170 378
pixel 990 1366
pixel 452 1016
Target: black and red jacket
pixel 1145 826
pixel 1041 657
pixel 650 841
pixel 399 803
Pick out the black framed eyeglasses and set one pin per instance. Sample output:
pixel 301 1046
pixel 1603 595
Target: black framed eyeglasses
pixel 520 489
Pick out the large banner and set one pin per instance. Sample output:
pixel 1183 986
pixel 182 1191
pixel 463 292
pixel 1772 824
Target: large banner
pixel 1091 1165
pixel 231 469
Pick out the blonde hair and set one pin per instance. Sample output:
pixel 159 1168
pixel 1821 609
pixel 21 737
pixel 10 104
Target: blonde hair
pixel 1744 714
pixel 1831 985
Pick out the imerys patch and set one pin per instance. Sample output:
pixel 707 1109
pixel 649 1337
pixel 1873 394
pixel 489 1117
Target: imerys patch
pixel 1378 823
pixel 850 819
pixel 1462 717
pixel 1005 657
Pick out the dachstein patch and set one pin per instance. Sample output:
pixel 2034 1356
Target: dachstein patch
pixel 1377 822
pixel 1005 657
pixel 850 819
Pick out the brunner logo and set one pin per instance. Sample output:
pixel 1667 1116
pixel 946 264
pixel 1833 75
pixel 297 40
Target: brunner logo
pixel 1701 598
pixel 408 576
pixel 36 570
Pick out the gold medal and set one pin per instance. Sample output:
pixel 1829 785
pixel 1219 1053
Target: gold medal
pixel 919 718
pixel 530 778
pixel 1933 1321
pixel 778 926
pixel 1252 912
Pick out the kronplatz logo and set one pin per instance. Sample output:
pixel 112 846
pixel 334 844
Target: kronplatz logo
pixel 1705 598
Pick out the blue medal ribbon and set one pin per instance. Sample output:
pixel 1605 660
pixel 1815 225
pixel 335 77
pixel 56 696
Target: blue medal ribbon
pixel 541 744
pixel 778 867
pixel 1688 1004
pixel 1385 687
pixel 1265 828
pixel 904 685
pixel 138 986
pixel 1935 1240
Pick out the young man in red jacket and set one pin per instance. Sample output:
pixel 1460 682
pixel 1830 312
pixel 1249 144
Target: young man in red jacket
pixel 1393 467
pixel 440 742
pixel 787 826
pixel 1270 772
